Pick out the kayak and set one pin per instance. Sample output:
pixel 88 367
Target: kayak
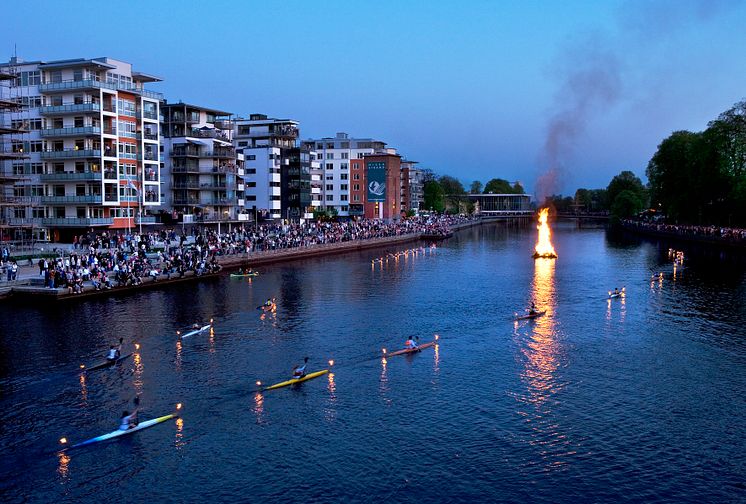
pixel 269 308
pixel 614 296
pixel 242 275
pixel 409 350
pixel 530 315
pixel 106 364
pixel 118 433
pixel 309 376
pixel 195 331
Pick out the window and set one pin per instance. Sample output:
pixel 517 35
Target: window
pixel 252 157
pixel 243 144
pixel 329 155
pixel 355 187
pixel 344 208
pixel 355 176
pixel 345 155
pixel 329 187
pixel 343 197
pixel 329 197
pixel 78 74
pixel 250 197
pixel 360 155
pixel 345 145
pixel 343 187
pixel 250 171
pixel 343 176
pixel 330 146
pixel 330 177
pixel 356 197
pixel 344 166
pixel 126 107
pixel 329 166
pixel 31 78
pixel 250 184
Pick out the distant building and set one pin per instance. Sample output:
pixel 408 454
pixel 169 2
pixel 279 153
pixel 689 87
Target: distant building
pixel 379 181
pixel 501 204
pixel 92 144
pixel 411 186
pixel 335 155
pixel 203 174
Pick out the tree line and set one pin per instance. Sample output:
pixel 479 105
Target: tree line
pixel 447 194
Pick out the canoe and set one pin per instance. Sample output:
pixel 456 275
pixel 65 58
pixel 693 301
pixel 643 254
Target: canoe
pixel 119 433
pixel 409 350
pixel 107 363
pixel 614 296
pixel 196 331
pixel 530 315
pixel 242 275
pixel 309 376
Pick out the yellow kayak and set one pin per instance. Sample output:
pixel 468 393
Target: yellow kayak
pixel 309 376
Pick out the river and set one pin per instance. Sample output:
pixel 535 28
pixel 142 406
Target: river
pixel 633 399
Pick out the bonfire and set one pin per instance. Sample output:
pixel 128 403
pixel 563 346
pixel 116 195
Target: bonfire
pixel 544 249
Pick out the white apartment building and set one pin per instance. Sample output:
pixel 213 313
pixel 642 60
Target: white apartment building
pixel 202 175
pixel 92 144
pixel 262 141
pixel 334 156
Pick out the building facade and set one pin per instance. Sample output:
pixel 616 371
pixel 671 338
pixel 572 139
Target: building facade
pixel 279 176
pixel 411 187
pixel 202 179
pixel 335 156
pixel 92 145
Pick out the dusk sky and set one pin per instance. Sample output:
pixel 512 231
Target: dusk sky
pixel 472 89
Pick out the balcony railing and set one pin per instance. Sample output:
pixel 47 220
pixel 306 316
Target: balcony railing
pixel 190 168
pixel 91 198
pixel 150 115
pixel 73 108
pixel 219 153
pixel 77 222
pixel 186 201
pixel 64 176
pixel 71 153
pixel 187 185
pixel 145 219
pixel 185 152
pixel 147 136
pixel 208 133
pixel 65 132
pixel 61 87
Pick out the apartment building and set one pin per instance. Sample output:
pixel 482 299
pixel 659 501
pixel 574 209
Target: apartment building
pixel 278 175
pixel 377 185
pixel 411 186
pixel 202 174
pixel 334 156
pixel 92 145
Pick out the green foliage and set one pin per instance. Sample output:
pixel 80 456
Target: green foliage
pixel 325 215
pixel 498 186
pixel 475 187
pixel 518 188
pixel 433 196
pixel 627 203
pixel 627 181
pixel 411 213
pixel 700 178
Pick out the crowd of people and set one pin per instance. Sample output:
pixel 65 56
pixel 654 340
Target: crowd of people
pixel 712 233
pixel 110 259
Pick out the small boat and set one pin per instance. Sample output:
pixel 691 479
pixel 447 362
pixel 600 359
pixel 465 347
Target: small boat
pixel 268 308
pixel 119 433
pixel 405 351
pixel 530 315
pixel 615 295
pixel 107 363
pixel 244 275
pixel 194 331
pixel 293 381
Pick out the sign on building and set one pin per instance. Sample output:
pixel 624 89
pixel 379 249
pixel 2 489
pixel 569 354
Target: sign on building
pixel 376 176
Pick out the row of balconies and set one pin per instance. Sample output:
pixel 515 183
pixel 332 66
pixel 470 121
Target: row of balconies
pixel 195 152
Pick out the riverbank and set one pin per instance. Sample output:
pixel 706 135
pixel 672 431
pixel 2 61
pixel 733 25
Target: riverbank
pixel 694 234
pixel 31 286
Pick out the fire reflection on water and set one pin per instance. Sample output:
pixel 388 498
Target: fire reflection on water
pixel 541 357
pixel 137 383
pixel 179 439
pixel 63 469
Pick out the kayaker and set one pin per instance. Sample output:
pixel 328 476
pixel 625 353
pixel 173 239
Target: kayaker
pixel 410 343
pixel 268 302
pixel 115 351
pixel 129 420
pixel 616 291
pixel 533 310
pixel 300 371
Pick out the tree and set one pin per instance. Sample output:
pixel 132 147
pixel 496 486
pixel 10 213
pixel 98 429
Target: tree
pixel 454 191
pixel 627 181
pixel 626 204
pixel 476 187
pixel 518 188
pixel 498 186
pixel 433 196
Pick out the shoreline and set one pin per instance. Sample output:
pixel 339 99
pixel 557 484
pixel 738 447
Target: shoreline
pixel 712 241
pixel 33 288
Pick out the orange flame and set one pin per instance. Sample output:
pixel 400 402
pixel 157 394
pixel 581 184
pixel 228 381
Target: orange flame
pixel 544 246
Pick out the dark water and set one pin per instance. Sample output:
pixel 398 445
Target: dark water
pixel 640 399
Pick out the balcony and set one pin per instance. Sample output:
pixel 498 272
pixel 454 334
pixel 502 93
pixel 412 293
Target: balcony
pixel 188 152
pixel 90 198
pixel 150 115
pixel 70 176
pixel 145 219
pixel 209 133
pixel 147 136
pixel 65 86
pixel 189 184
pixel 186 201
pixel 71 154
pixel 77 222
pixel 76 108
pixel 219 153
pixel 74 132
pixel 188 168
pixel 149 157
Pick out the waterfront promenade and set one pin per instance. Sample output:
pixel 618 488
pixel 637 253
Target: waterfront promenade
pixel 102 264
pixel 718 235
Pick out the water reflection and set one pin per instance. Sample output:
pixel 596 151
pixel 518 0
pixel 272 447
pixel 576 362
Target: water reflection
pixel 83 391
pixel 330 412
pixel 179 437
pixel 258 406
pixel 62 468
pixel 179 348
pixel 542 356
pixel 137 382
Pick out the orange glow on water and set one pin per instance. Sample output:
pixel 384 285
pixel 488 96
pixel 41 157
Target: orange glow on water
pixel 544 246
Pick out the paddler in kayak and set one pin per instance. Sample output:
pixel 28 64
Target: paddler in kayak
pixel 533 310
pixel 129 420
pixel 300 371
pixel 115 351
pixel 410 343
